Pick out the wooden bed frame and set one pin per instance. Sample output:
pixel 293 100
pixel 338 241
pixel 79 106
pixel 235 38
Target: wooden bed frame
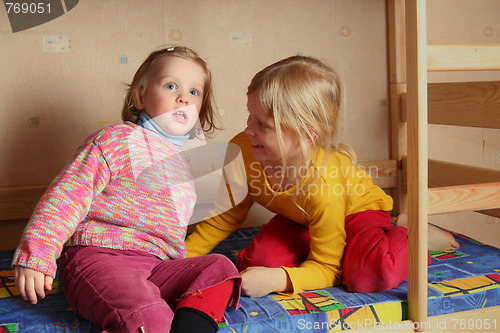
pixel 435 187
pixel 420 187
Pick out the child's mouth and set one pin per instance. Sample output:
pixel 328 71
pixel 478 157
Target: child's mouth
pixel 180 115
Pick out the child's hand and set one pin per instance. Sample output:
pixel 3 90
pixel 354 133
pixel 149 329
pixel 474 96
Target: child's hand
pixel 31 283
pixel 259 281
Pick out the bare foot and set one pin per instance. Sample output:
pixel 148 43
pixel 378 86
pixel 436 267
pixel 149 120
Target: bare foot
pixel 441 240
pixel 437 239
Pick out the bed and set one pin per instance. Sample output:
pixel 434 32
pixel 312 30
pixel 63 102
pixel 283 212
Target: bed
pixel 461 280
pixel 459 292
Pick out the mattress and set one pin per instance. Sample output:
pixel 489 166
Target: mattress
pixel 461 280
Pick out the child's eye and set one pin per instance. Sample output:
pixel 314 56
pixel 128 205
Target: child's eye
pixel 262 125
pixel 194 92
pixel 171 86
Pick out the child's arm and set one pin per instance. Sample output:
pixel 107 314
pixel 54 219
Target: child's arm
pixel 212 231
pixel 31 283
pixel 232 204
pixel 61 209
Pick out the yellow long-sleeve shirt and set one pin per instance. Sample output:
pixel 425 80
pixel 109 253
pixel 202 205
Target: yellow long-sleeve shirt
pixel 331 190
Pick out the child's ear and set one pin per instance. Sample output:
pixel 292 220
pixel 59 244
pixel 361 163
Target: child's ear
pixel 139 104
pixel 139 101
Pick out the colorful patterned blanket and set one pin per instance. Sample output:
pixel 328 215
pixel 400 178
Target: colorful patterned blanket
pixel 461 280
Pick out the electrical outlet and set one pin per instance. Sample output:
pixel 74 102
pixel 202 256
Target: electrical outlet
pixel 497 157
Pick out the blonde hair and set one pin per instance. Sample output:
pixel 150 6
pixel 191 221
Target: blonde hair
pixel 303 95
pixel 208 116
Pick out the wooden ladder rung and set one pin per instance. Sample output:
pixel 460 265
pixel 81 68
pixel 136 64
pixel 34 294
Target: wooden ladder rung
pixel 463 57
pixel 384 173
pixel 450 199
pixel 472 104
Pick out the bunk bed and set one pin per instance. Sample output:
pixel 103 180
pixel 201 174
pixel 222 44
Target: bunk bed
pixel 458 280
pixel 416 103
pixel 436 187
pixel 468 278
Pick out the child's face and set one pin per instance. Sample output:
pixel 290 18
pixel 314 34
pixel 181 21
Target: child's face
pixel 262 133
pixel 174 94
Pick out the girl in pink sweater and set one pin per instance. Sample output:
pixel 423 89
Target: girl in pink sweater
pixel 117 214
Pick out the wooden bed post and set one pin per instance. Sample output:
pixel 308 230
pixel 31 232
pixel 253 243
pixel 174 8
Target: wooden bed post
pixel 397 86
pixel 416 61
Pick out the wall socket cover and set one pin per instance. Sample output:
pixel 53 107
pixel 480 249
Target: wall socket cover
pixel 240 39
pixel 55 44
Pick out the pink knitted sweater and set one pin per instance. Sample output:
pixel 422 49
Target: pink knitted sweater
pixel 126 188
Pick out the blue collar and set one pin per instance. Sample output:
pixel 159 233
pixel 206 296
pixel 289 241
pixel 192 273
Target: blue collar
pixel 146 122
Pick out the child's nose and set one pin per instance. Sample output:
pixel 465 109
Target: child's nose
pixel 183 98
pixel 248 130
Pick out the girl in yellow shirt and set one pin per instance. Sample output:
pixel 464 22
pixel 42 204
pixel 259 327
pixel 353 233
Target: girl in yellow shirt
pixel 333 224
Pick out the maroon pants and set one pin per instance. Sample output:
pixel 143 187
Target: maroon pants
pixel 375 257
pixel 124 291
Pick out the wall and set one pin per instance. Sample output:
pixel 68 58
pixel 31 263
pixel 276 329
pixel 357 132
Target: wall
pixel 74 93
pixel 71 93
